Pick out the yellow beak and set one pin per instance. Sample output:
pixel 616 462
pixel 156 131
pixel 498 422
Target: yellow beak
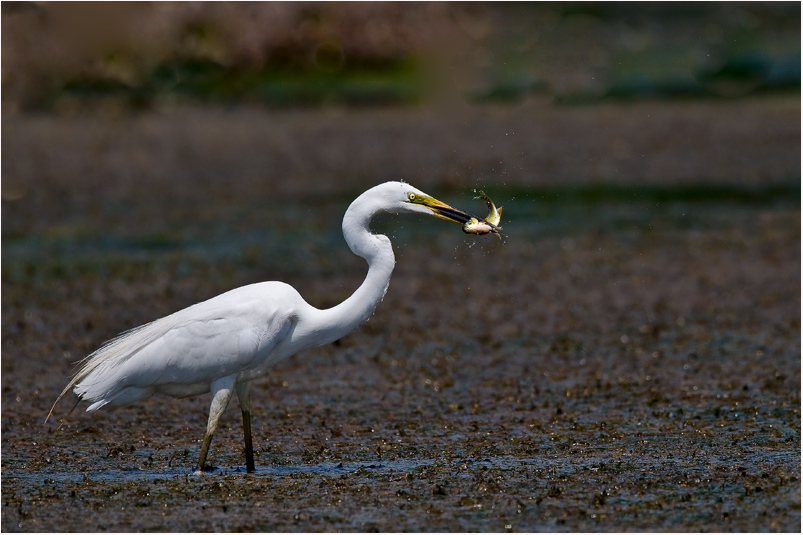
pixel 442 210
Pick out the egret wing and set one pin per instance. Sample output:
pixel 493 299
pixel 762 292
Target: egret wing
pixel 184 352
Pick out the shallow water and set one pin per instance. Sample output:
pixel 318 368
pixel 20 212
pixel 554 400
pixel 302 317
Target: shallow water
pixel 123 476
pixel 557 466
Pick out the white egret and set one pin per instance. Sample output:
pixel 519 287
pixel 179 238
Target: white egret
pixel 222 344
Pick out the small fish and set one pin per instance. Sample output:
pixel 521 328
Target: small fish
pixel 475 226
pixel 488 225
pixel 494 213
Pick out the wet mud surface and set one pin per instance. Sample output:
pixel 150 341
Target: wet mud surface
pixel 625 361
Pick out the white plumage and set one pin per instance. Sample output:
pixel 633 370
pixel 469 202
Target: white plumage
pixel 222 344
pixel 176 355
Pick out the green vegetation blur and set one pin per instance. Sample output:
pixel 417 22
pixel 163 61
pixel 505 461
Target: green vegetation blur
pixel 60 57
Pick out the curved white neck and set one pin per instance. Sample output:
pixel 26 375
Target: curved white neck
pixel 341 319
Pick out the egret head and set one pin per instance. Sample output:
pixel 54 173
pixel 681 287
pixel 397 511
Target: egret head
pixel 397 197
pixel 402 197
pixel 421 202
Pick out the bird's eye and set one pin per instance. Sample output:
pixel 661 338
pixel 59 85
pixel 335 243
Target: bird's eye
pixel 411 196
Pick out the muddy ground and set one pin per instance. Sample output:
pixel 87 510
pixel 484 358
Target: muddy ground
pixel 626 359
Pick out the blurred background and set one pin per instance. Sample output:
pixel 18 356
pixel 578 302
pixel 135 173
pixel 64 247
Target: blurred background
pixel 139 56
pixel 648 159
pixel 198 101
pixel 529 94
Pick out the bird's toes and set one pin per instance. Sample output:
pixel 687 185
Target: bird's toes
pixel 204 470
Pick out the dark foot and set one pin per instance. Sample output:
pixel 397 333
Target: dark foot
pixel 205 469
pixel 249 459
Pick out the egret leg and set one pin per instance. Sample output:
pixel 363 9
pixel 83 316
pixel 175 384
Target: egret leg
pixel 221 394
pixel 244 395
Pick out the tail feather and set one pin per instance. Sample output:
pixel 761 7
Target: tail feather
pixel 112 353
